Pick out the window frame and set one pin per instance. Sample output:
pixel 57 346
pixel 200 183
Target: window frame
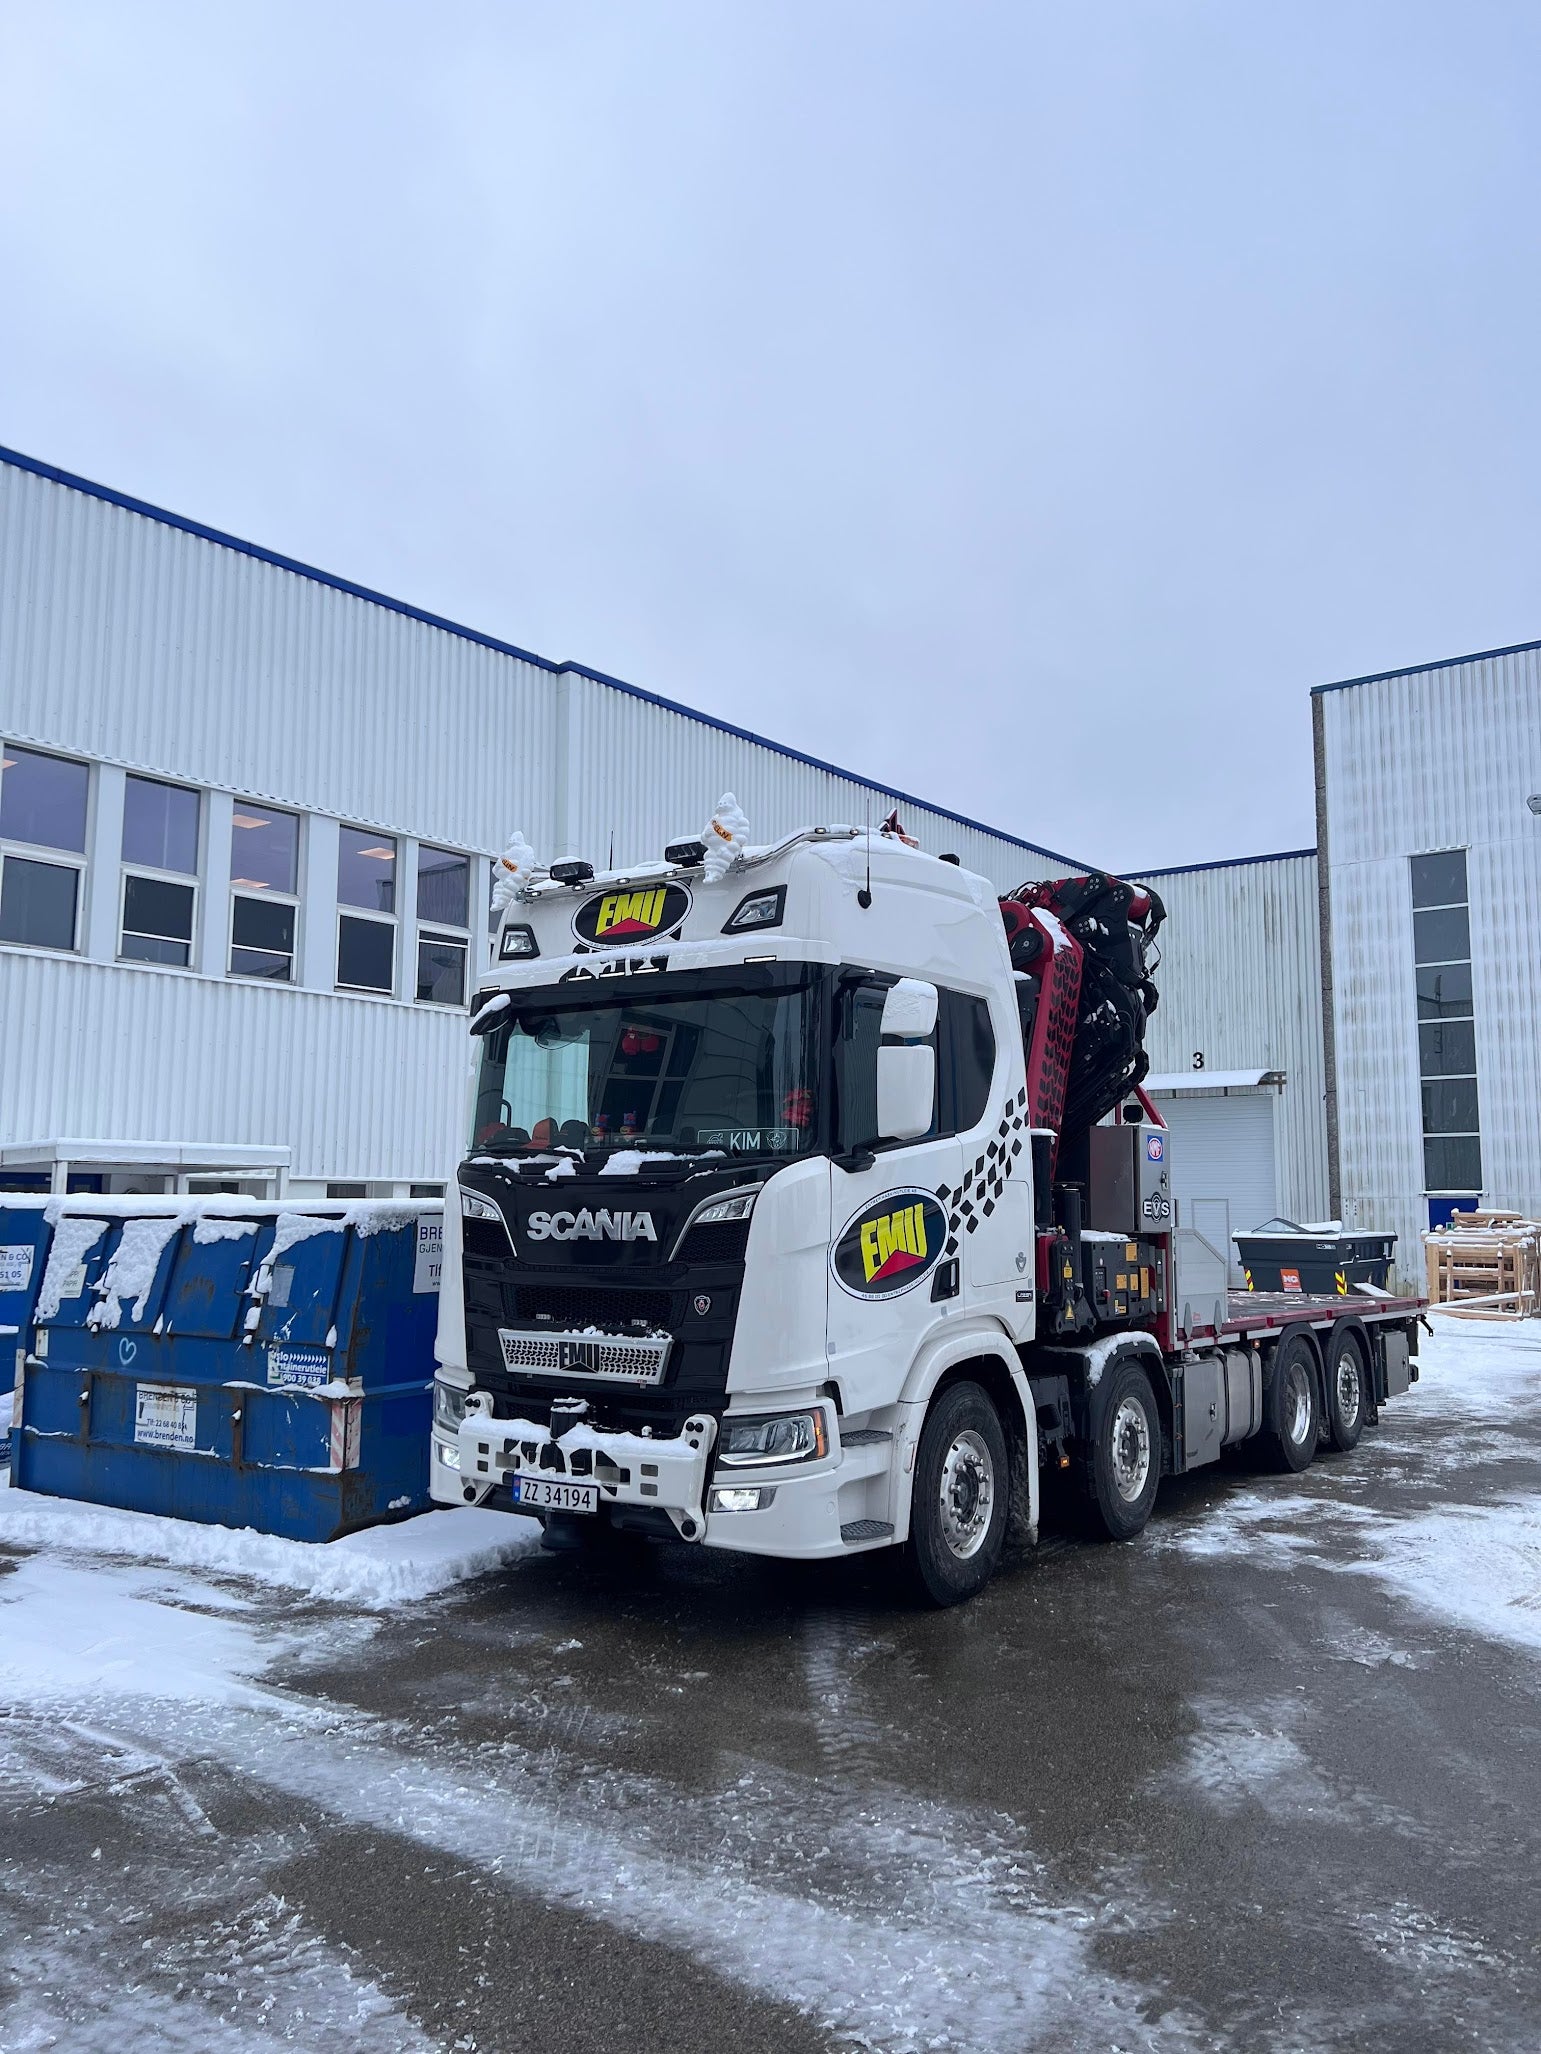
pixel 191 880
pixel 127 872
pixel 347 911
pixel 1434 1083
pixel 268 895
pixel 443 933
pixel 47 856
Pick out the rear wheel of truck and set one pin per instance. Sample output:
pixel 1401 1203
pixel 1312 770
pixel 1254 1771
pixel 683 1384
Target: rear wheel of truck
pixel 962 1494
pixel 1124 1472
pixel 1294 1408
pixel 1348 1390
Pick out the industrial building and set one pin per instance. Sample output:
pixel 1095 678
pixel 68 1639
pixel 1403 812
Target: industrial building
pixel 247 816
pixel 248 812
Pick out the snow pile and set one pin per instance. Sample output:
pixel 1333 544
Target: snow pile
pixel 131 1271
pixel 73 1240
pixel 208 1231
pixel 377 1569
pixel 1478 1566
pixel 725 835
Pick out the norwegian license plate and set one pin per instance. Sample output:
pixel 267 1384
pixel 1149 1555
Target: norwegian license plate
pixel 552 1494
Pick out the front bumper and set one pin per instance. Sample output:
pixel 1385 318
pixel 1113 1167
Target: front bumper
pixel 665 1474
pixel 846 1503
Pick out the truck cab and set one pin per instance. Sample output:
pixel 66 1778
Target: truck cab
pixel 748 1184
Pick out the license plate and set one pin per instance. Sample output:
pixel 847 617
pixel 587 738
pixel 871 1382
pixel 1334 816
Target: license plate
pixel 552 1494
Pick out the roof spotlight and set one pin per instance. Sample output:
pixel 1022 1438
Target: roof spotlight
pixel 572 873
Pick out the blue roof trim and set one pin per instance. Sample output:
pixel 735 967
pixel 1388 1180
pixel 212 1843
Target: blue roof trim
pixel 1225 863
pixel 450 627
pixel 1412 670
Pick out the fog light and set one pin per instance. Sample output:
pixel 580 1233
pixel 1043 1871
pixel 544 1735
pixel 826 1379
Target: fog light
pixel 449 1455
pixel 742 1497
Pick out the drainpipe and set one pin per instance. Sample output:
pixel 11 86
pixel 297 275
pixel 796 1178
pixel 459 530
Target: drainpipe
pixel 1324 925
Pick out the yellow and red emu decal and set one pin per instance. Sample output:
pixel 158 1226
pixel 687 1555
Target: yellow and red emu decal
pixel 890 1244
pixel 621 916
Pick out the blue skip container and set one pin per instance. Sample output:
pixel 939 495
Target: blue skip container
pixel 238 1363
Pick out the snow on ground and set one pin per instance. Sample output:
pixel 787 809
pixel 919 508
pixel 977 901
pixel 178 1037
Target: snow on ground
pixel 379 1568
pixel 1477 1566
pixel 881 1915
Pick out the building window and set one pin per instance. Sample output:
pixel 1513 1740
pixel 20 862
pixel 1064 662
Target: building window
pixel 366 880
pixel 1447 1034
pixel 444 907
pixel 160 870
pixel 264 886
pixel 347 1190
pixel 427 1191
pixel 42 808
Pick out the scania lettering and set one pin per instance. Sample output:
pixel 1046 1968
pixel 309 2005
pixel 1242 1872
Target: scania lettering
pixel 840 1222
pixel 590 1226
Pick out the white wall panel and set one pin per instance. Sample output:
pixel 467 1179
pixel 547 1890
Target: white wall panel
pixel 1240 981
pixel 1440 758
pixel 355 1087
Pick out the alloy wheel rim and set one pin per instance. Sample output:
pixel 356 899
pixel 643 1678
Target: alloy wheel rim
pixel 1348 1387
pixel 967 1494
pixel 1131 1450
pixel 1300 1406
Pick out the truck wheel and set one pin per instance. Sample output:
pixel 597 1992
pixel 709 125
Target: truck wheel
pixel 1348 1391
pixel 1294 1410
pixel 962 1493
pixel 1125 1468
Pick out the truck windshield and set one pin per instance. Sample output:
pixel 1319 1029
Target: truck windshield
pixel 680 1069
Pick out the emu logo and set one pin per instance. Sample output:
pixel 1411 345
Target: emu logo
pixel 616 917
pixel 889 1245
pixel 893 1244
pixel 603 1225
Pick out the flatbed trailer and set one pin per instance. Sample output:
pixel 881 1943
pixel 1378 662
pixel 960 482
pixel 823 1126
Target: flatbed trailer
pixel 1255 1313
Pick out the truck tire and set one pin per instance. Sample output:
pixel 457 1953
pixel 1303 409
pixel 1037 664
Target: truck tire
pixel 962 1496
pixel 1294 1405
pixel 1348 1390
pixel 1124 1472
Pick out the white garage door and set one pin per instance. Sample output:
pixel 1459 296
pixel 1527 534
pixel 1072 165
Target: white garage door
pixel 1222 1148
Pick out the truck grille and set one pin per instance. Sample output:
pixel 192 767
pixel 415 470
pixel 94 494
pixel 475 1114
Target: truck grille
pixel 575 1306
pixel 583 1355
pixel 722 1241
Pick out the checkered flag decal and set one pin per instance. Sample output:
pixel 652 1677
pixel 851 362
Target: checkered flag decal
pixel 985 1177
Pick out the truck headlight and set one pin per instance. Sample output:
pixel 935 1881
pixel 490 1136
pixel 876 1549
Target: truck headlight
pixel 776 1437
pixel 449 1405
pixel 738 1205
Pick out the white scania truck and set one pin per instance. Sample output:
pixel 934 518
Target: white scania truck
pixel 814 1208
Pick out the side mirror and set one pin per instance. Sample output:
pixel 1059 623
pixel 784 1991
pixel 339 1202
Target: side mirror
pixel 906 1093
pixel 909 1010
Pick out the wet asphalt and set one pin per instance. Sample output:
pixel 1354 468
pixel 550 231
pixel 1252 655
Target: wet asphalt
pixel 1217 1788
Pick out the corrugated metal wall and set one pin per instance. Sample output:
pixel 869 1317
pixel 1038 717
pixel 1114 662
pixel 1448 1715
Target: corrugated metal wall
pixel 127 639
pixel 1240 981
pixel 369 1088
pixel 1434 759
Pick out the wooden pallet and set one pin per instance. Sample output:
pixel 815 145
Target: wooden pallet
pixel 1487 1267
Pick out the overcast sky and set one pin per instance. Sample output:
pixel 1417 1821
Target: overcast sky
pixel 1024 405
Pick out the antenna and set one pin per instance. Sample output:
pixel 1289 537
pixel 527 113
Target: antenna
pixel 864 896
pixel 610 859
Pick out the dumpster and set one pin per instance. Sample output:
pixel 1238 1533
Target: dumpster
pixel 25 1233
pixel 234 1362
pixel 1319 1260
